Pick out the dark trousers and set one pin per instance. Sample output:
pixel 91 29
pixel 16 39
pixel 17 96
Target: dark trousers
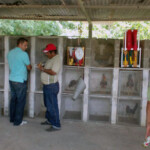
pixel 51 103
pixel 17 102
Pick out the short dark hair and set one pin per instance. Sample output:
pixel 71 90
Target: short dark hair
pixel 21 40
pixel 55 51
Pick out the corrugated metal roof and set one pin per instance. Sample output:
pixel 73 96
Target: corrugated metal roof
pixel 81 10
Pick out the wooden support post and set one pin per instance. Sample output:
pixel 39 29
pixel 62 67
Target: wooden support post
pixel 90 30
pixel 60 52
pixel 117 53
pixel 85 114
pixel 146 54
pixel 144 97
pixel 114 95
pixel 32 79
pixel 6 79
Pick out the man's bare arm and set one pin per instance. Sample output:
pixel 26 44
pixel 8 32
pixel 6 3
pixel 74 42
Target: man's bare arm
pixel 29 67
pixel 48 71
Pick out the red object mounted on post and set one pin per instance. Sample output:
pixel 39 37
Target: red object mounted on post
pixel 129 40
pixel 135 40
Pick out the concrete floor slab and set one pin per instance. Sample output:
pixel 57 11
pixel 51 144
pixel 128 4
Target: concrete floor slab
pixel 74 135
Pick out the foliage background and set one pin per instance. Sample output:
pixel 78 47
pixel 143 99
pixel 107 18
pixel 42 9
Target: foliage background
pixel 113 30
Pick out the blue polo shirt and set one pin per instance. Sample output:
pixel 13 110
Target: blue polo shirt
pixel 18 60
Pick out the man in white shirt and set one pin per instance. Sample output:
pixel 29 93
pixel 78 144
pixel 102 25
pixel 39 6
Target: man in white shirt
pixel 49 78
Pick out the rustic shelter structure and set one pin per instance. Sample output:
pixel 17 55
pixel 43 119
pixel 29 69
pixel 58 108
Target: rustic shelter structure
pixel 116 103
pixel 78 10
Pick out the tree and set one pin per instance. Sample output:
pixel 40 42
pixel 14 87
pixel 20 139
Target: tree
pixel 113 30
pixel 33 28
pixel 116 30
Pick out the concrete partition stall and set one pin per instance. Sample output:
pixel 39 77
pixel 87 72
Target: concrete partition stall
pixel 99 109
pixel 101 82
pixel 100 91
pixel 102 52
pixel 112 94
pixel 128 111
pixel 129 96
pixel 71 109
pixel 71 76
pixel 36 96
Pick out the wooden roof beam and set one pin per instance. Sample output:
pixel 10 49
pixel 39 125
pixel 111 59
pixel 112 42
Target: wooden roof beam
pixel 80 2
pixel 78 6
pixel 42 17
pixel 73 18
pixel 63 2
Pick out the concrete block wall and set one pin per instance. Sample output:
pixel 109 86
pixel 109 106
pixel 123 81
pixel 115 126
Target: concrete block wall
pixel 98 102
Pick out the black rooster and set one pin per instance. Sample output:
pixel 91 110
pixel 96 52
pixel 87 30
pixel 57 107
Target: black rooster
pixel 131 110
pixel 72 83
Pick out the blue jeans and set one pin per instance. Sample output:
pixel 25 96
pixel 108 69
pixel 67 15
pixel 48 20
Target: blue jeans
pixel 17 102
pixel 51 103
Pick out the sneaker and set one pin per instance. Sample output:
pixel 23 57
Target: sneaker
pixel 145 144
pixel 45 123
pixel 23 123
pixel 51 129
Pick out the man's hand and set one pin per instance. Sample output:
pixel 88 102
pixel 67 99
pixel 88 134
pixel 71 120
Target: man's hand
pixel 40 66
pixel 29 67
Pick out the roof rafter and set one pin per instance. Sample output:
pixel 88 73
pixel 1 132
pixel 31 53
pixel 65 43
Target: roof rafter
pixel 71 18
pixel 63 2
pixel 77 6
pixel 80 2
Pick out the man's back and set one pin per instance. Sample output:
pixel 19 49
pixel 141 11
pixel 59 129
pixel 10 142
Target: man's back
pixel 18 60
